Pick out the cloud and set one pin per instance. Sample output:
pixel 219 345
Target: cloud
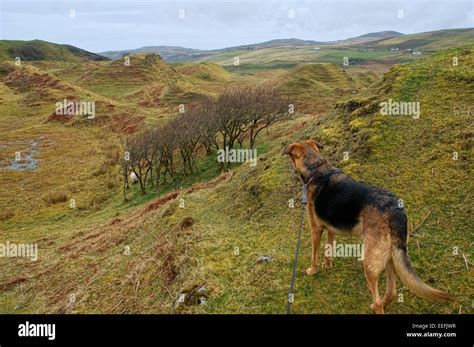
pixel 118 24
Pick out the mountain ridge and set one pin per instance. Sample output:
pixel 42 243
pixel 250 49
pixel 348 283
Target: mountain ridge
pixel 175 54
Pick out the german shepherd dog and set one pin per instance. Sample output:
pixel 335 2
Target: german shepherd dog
pixel 339 204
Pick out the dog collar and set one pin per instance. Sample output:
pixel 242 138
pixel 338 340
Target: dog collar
pixel 315 165
pixel 311 168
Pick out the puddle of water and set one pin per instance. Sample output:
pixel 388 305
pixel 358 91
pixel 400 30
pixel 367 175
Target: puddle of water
pixel 27 160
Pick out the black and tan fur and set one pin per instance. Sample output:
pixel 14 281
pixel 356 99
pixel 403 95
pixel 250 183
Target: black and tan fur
pixel 339 204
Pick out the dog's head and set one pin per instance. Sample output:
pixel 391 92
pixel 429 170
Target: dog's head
pixel 303 155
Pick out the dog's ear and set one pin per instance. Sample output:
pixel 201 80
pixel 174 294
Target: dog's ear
pixel 293 150
pixel 315 144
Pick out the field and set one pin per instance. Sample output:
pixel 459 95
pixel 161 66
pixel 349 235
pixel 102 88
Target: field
pixel 204 234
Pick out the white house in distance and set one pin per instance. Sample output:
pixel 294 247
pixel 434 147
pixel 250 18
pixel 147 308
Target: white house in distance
pixel 316 48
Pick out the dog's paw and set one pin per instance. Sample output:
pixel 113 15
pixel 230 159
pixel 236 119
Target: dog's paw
pixel 378 309
pixel 311 271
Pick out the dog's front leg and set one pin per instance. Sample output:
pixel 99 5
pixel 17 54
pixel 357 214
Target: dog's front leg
pixel 316 232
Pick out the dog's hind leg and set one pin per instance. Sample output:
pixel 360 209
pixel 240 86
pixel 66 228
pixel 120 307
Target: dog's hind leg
pixel 372 275
pixel 377 251
pixel 391 291
pixel 376 254
pixel 328 258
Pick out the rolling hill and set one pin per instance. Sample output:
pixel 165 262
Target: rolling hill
pixel 213 244
pixel 171 54
pixel 368 38
pixel 376 49
pixel 120 77
pixel 316 86
pixel 38 50
pixel 429 41
pixel 174 54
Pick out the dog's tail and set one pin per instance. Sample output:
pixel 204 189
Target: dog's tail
pixel 403 265
pixel 409 278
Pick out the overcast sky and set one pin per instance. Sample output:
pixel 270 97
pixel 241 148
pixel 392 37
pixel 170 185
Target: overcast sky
pixel 115 25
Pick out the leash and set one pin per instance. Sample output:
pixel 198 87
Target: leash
pixel 304 198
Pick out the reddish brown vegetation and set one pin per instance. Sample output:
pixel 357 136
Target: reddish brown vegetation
pixel 188 70
pixel 116 221
pixel 226 176
pixel 161 201
pixel 22 80
pixel 62 118
pixel 152 96
pixel 13 282
pixel 126 123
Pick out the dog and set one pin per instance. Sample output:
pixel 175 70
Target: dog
pixel 341 205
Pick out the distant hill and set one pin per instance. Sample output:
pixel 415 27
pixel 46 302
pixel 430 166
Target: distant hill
pixel 279 43
pixel 304 50
pixel 174 54
pixel 373 48
pixel 171 54
pixel 429 41
pixel 382 34
pixel 368 38
pixel 38 50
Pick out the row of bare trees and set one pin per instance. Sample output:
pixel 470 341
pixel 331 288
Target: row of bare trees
pixel 236 115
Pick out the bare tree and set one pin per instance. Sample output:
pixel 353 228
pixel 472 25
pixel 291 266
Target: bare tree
pixel 267 107
pixel 239 112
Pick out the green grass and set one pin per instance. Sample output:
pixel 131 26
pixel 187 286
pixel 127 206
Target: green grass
pixel 251 62
pixel 38 50
pixel 117 257
pixel 430 41
pixel 376 55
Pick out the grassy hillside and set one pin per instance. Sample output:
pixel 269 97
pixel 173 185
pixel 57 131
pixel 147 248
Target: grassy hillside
pixel 375 55
pixel 361 51
pixel 316 87
pixel 140 256
pixel 172 54
pixel 120 77
pixel 175 54
pixel 430 41
pixel 38 50
pixel 284 57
